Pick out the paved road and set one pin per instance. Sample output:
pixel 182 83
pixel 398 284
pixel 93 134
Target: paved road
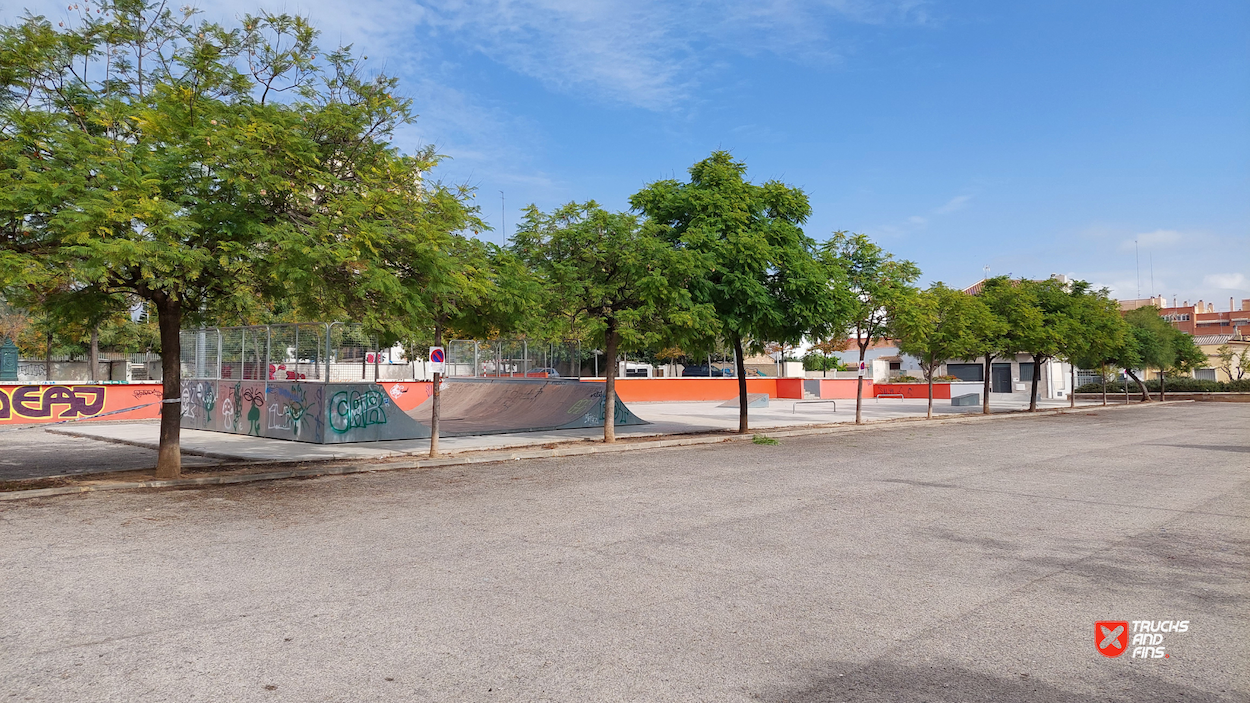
pixel 964 562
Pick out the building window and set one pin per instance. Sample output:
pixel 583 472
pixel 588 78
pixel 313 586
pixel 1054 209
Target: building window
pixel 1204 374
pixel 966 372
pixel 896 366
pixel 1026 370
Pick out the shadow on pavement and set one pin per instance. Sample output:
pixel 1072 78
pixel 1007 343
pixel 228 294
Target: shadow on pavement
pixel 1240 449
pixel 942 682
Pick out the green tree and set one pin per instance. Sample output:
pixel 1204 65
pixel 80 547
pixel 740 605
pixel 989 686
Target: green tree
pixel 936 325
pixel 1045 340
pixel 1152 345
pixel 1186 357
pixel 1089 326
pixel 822 356
pixel 629 286
pixel 1101 337
pixel 759 270
pixel 1000 301
pixel 1234 365
pixel 1021 320
pixel 145 153
pixel 877 283
pixel 479 291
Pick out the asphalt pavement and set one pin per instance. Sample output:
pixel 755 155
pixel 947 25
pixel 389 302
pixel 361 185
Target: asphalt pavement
pixel 963 562
pixel 27 451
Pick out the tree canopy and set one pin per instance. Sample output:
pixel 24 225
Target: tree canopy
pixel 876 283
pixel 760 273
pixel 939 324
pixel 205 169
pixel 624 286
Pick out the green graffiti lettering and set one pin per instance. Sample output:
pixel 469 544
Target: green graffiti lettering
pixel 352 409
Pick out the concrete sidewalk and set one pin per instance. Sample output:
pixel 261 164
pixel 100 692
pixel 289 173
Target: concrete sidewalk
pixel 667 419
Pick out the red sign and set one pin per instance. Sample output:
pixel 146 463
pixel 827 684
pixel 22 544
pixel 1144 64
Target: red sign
pixel 1111 637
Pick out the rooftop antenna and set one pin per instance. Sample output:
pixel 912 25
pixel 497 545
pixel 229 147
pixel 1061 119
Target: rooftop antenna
pixel 1152 274
pixel 987 272
pixel 1137 253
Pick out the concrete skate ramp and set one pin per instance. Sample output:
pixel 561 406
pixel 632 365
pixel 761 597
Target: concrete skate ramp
pixel 477 406
pixel 754 400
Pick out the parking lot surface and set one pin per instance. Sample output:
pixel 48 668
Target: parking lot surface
pixel 965 562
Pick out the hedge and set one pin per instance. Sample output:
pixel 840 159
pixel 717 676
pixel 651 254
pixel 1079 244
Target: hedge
pixel 1177 385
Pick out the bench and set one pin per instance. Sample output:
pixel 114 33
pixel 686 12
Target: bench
pixel 889 395
pixel 797 403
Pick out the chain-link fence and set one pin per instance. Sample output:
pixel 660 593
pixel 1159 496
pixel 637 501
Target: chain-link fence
pixel 512 358
pixel 289 352
pixel 342 352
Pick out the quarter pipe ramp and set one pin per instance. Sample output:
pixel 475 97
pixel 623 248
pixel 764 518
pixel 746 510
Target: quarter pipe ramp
pixel 478 406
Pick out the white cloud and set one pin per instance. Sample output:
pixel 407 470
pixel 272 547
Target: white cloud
pixel 955 204
pixel 916 223
pixel 648 53
pixel 1226 281
pixel 1158 239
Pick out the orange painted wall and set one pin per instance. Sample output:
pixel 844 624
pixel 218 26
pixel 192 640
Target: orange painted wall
pixel 56 402
pixel 643 390
pixel 407 395
pixel 844 388
pixel 915 390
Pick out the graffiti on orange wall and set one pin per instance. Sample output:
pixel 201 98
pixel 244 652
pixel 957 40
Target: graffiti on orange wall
pixel 60 402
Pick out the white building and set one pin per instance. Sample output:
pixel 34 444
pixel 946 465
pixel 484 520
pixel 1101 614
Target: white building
pixel 1007 376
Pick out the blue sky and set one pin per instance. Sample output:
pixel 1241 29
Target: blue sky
pixel 1033 138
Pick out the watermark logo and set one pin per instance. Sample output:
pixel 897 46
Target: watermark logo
pixel 1111 637
pixel 1144 638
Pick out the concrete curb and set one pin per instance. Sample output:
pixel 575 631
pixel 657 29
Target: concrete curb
pixel 224 456
pixel 502 455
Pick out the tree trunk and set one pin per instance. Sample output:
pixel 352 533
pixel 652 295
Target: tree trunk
pixel 985 392
pixel 1037 376
pixel 93 357
pixel 1163 380
pixel 929 378
pixel 47 359
pixel 436 398
pixel 1104 386
pixel 859 386
pixel 741 364
pixel 169 319
pixel 1072 389
pixel 1145 394
pixel 609 386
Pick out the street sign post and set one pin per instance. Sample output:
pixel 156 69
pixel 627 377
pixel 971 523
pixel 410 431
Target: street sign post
pixel 862 367
pixel 438 358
